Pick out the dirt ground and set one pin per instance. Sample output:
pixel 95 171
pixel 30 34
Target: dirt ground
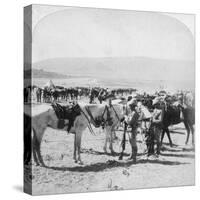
pixel 103 171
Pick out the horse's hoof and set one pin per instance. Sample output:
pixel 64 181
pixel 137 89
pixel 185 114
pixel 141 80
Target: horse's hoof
pixel 157 155
pixel 134 160
pixel 75 161
pixel 43 165
pixel 112 152
pixel 130 158
pixel 80 162
pixel 193 145
pixel 120 157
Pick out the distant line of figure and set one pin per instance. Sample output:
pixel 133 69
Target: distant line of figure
pixel 50 94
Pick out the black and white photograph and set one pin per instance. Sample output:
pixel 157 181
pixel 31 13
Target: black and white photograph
pixel 109 99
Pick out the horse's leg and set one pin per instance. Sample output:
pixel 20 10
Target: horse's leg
pixel 123 142
pixel 35 157
pixel 40 156
pixel 192 130
pixel 169 137
pixel 111 141
pixel 75 148
pixel 34 143
pixel 114 135
pixel 132 140
pixel 36 148
pixel 188 131
pixel 106 140
pixel 162 136
pixel 78 143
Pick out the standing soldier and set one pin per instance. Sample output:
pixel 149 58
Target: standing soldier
pixel 132 121
pixel 155 129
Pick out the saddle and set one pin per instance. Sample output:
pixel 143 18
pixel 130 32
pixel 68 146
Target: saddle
pixel 67 112
pixel 175 114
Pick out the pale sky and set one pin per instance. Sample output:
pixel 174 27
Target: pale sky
pixel 82 32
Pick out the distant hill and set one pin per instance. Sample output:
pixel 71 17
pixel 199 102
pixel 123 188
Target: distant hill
pixel 129 68
pixel 40 73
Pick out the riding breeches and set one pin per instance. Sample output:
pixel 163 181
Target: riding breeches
pixel 153 137
pixel 133 142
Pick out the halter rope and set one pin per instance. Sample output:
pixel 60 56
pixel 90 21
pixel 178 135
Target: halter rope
pixel 92 118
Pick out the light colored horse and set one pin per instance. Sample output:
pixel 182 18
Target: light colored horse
pixel 90 114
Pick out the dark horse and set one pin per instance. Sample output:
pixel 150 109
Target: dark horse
pixel 172 116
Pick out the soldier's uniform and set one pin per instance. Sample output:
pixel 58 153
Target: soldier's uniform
pixel 132 121
pixel 155 130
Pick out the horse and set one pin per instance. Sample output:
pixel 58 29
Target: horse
pixel 172 115
pixel 94 114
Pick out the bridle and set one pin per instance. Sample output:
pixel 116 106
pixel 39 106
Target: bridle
pixel 111 106
pixel 94 121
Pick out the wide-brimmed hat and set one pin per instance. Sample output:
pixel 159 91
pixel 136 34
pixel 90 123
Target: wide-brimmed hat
pixel 157 101
pixel 132 103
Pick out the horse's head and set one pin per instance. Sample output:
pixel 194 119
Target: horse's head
pixel 95 113
pixel 116 113
pixel 99 121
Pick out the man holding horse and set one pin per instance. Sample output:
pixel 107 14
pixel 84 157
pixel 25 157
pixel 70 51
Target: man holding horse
pixel 131 120
pixel 155 130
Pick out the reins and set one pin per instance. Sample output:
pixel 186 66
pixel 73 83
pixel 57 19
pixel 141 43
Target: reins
pixel 115 112
pixel 89 124
pixel 92 118
pixel 90 114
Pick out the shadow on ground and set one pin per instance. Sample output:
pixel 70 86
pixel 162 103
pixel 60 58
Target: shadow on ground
pixel 178 155
pixel 101 166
